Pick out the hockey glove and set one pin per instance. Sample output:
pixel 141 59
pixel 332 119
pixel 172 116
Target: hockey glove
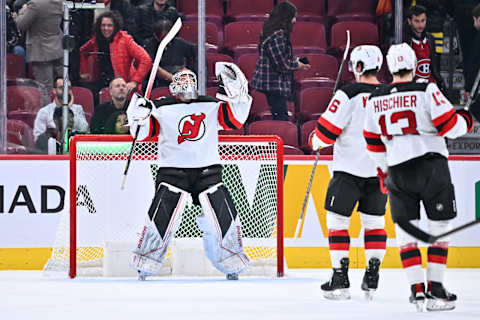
pixel 232 82
pixel 314 142
pixel 468 118
pixel 139 110
pixel 382 176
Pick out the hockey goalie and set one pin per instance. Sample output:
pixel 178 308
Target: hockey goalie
pixel 186 126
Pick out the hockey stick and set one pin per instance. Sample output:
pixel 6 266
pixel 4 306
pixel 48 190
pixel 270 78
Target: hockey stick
pixel 473 91
pixel 317 154
pixel 161 47
pixel 421 235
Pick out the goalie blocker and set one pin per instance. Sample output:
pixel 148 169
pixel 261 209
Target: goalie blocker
pixel 220 223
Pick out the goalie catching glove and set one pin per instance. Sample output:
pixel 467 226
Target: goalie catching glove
pixel 233 86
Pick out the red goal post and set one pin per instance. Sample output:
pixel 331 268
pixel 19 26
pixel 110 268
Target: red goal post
pixel 253 172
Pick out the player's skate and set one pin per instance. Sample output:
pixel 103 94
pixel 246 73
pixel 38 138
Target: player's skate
pixel 418 296
pixel 142 275
pixel 438 298
pixel 338 286
pixel 232 276
pixel 370 278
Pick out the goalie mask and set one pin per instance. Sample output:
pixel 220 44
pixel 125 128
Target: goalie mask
pixel 184 84
pixel 370 57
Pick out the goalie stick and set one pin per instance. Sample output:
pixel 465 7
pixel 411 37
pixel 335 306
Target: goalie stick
pixel 317 154
pixel 161 47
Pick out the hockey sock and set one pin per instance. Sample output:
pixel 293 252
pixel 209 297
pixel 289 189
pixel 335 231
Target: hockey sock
pixel 437 261
pixel 339 244
pixel 412 263
pixel 375 243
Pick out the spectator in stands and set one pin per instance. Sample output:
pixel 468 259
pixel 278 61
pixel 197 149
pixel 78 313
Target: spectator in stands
pixel 42 143
pixel 44 118
pixel 119 102
pixel 41 20
pixel 115 52
pixel 146 15
pixel 422 42
pixel 177 55
pixel 473 63
pixel 274 69
pixel 116 123
pixel 13 36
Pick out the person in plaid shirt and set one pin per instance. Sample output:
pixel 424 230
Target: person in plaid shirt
pixel 273 73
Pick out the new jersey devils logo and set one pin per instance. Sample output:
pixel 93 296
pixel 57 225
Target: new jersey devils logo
pixel 191 128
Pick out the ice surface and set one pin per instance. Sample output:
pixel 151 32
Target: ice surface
pixel 29 295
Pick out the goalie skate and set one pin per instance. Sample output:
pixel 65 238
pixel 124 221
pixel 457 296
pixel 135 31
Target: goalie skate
pixel 438 298
pixel 417 297
pixel 232 276
pixel 370 279
pixel 338 286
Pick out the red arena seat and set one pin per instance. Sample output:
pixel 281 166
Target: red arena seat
pixel 322 73
pixel 286 130
pixel 249 10
pixel 308 37
pixel 261 111
pixel 19 134
pixel 242 37
pixel 15 66
pixel 213 36
pixel 24 98
pixel 213 58
pixel 247 63
pixel 361 32
pixel 308 10
pixel 213 10
pixel 313 102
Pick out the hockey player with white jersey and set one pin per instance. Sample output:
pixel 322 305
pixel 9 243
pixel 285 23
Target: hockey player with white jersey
pixel 405 127
pixel 354 176
pixel 186 126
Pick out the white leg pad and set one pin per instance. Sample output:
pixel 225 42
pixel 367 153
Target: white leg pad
pixel 438 227
pixel 404 238
pixel 151 250
pixel 225 253
pixel 371 222
pixel 336 221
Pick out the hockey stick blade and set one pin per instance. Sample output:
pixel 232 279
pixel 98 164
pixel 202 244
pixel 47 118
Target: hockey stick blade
pixel 161 47
pixel 421 235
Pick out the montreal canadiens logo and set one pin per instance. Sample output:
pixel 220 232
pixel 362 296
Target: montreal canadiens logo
pixel 423 68
pixel 191 128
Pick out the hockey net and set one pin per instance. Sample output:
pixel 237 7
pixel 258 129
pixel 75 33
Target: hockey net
pixel 97 236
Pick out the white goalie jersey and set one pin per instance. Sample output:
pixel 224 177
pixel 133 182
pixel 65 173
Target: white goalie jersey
pixel 407 120
pixel 188 132
pixel 342 124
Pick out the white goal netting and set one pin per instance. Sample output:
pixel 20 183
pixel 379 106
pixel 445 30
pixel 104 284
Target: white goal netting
pixel 99 233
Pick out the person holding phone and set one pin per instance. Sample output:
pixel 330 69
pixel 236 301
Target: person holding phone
pixel 276 63
pixel 44 119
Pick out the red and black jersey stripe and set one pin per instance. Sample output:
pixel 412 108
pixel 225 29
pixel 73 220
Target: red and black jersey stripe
pixel 410 256
pixel 226 118
pixel 445 122
pixel 338 240
pixel 154 128
pixel 374 143
pixel 326 131
pixel 375 239
pixel 437 254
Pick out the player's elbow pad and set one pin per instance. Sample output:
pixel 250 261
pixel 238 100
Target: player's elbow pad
pixel 468 118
